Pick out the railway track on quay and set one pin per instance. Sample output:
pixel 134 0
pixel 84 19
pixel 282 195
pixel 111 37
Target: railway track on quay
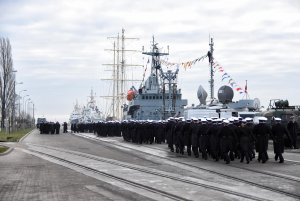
pixel 284 178
pixel 253 170
pixel 178 180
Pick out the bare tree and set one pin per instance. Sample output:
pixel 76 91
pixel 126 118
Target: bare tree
pixel 7 80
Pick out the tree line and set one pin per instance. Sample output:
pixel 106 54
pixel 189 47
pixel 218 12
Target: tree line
pixel 7 84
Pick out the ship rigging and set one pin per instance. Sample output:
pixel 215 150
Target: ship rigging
pixel 159 97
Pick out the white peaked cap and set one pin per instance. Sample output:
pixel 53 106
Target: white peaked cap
pixel 231 119
pixel 262 119
pixel 248 119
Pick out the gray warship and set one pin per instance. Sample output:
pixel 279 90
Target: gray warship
pixel 86 114
pixel 223 107
pixel 158 98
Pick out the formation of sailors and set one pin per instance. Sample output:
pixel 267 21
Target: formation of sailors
pixel 103 129
pixel 49 128
pixel 227 139
pixel 52 128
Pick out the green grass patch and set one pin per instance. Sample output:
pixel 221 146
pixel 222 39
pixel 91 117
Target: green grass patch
pixel 14 136
pixel 3 149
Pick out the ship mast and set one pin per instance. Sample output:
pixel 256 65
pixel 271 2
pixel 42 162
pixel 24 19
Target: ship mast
pixel 169 77
pixel 92 101
pixel 211 63
pixel 155 64
pixel 119 74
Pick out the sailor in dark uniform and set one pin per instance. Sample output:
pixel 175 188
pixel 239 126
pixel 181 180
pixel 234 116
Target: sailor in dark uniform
pixel 214 145
pixel 52 127
pixel 169 130
pixel 65 127
pixel 160 128
pixel 262 132
pixel 187 136
pixel 174 134
pixel 245 140
pixel 226 137
pixel 204 138
pixel 292 127
pixel 278 132
pixel 180 136
pixel 234 143
pixel 194 137
pixel 249 123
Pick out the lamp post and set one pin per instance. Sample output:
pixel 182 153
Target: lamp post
pixel 13 117
pixel 13 111
pixel 25 109
pixel 28 99
pixel 23 106
pixel 32 112
pixel 20 103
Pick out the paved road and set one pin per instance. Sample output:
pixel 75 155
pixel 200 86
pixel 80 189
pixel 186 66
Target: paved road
pixel 27 175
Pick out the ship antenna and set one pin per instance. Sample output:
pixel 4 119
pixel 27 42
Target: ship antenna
pixel 211 63
pixel 246 91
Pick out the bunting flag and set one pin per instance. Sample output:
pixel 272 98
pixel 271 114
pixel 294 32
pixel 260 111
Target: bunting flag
pixel 185 65
pixel 225 76
pixel 216 68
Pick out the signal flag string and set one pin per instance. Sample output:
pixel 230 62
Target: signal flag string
pixel 225 76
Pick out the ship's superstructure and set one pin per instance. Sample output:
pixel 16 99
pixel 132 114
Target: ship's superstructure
pixel 88 113
pixel 223 106
pixel 76 115
pixel 158 98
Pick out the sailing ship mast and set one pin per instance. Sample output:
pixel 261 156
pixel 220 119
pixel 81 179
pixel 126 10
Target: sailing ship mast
pixel 119 74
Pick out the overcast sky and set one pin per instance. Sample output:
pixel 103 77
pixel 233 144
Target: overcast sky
pixel 58 46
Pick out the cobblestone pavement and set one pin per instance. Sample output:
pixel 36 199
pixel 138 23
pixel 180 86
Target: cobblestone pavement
pixel 26 177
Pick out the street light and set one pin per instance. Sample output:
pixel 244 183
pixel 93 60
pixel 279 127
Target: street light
pixel 26 106
pixel 20 97
pixel 32 112
pixel 20 102
pixel 23 109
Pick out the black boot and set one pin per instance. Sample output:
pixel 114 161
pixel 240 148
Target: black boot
pixel 281 160
pixel 177 150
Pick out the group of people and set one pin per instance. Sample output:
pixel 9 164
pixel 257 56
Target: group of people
pixel 52 128
pixel 227 139
pixel 49 128
pixel 101 129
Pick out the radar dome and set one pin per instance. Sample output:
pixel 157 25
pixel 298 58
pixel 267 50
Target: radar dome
pixel 256 104
pixel 225 94
pixel 202 95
